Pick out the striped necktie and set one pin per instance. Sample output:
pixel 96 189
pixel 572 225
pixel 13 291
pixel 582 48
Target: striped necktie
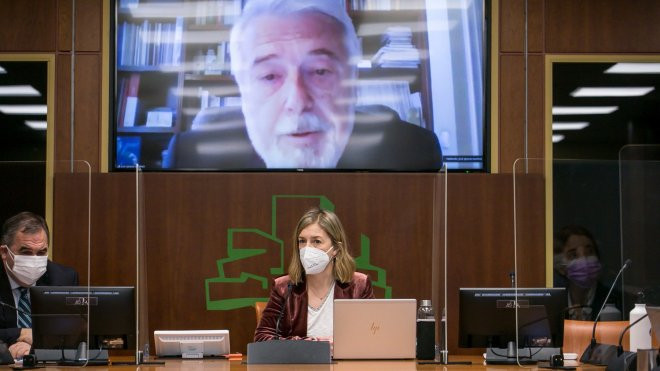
pixel 24 318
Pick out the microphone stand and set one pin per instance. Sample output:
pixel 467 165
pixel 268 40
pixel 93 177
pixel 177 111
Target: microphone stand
pixel 279 317
pixel 624 360
pixel 600 354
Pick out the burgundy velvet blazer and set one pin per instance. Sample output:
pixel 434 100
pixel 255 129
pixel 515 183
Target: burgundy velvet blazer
pixel 294 321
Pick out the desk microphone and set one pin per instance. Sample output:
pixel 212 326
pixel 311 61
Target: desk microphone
pixel 624 361
pixel 289 286
pixel 599 354
pixel 620 347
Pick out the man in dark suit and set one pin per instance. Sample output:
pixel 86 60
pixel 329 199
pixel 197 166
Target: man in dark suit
pixel 296 66
pixel 24 250
pixel 380 140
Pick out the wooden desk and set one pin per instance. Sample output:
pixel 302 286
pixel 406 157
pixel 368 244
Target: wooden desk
pixel 406 365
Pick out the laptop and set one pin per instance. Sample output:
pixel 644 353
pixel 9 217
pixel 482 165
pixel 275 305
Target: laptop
pixel 374 328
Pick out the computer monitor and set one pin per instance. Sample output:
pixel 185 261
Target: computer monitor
pixel 191 343
pixel 60 319
pixel 487 320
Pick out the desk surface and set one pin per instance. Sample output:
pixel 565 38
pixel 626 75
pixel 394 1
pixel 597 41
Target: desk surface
pixel 219 364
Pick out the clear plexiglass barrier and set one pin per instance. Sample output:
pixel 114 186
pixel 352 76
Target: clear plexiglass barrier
pixel 595 255
pixel 440 285
pixel 141 293
pixel 56 322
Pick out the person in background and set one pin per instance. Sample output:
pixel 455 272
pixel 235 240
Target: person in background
pixel 320 271
pixel 24 250
pixel 577 267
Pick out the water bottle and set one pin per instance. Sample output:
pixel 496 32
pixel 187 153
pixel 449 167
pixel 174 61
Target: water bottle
pixel 425 331
pixel 145 352
pixel 640 334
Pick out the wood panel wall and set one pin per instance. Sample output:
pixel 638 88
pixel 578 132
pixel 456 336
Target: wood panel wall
pixel 556 27
pixel 188 214
pixel 189 219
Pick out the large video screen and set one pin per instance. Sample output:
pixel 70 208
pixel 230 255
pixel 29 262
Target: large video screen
pixel 252 85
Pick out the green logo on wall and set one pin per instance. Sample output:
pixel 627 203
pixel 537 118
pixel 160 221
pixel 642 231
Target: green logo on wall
pixel 237 254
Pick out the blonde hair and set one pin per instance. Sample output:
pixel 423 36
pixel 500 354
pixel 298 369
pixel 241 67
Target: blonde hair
pixel 344 265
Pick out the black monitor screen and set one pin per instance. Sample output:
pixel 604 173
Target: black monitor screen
pixel 487 317
pixel 59 317
pixel 260 85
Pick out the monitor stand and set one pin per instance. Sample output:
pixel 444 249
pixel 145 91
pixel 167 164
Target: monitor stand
pixel 526 356
pixel 73 357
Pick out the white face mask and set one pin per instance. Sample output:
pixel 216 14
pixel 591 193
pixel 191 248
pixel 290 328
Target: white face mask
pixel 314 260
pixel 27 268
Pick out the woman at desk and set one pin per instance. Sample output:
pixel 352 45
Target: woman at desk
pixel 578 268
pixel 321 270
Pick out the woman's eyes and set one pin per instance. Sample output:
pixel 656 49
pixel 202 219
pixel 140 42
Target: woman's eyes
pixel 313 242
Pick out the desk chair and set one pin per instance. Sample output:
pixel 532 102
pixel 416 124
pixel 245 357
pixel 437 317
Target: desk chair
pixel 577 334
pixel 259 309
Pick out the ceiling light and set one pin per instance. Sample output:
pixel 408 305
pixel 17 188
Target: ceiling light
pixel 634 68
pixel 2 70
pixel 556 138
pixel 569 125
pixel 37 125
pixel 21 109
pixel 612 92
pixel 18 91
pixel 595 110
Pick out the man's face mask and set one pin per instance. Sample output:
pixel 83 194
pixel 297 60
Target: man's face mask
pixel 584 271
pixel 27 268
pixel 314 260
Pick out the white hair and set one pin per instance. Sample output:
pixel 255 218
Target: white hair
pixel 254 8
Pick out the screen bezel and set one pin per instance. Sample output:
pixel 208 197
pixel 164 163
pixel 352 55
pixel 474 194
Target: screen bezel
pixel 44 294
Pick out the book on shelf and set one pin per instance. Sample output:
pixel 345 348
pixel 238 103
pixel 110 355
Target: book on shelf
pixel 149 44
pixel 129 100
pixel 398 50
pixel 177 41
pixel 212 61
pixel 232 9
pixel 219 12
pixel 162 117
pixel 131 111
